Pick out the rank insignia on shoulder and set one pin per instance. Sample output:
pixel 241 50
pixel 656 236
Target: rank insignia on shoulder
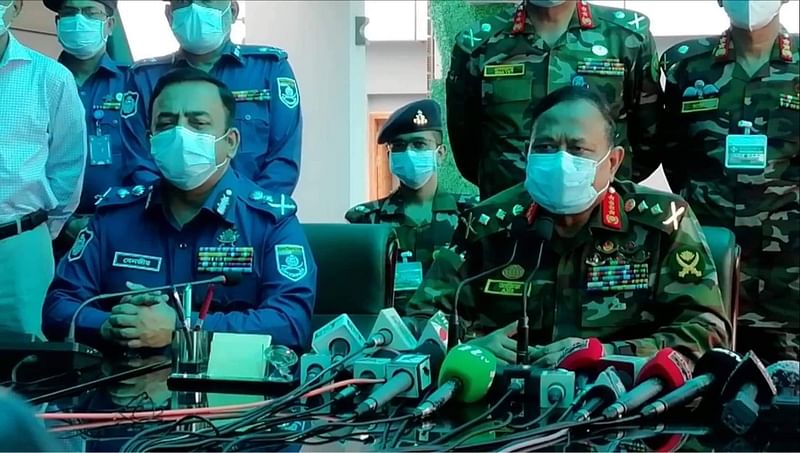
pixel 84 237
pixel 291 261
pixel 688 265
pixel 130 104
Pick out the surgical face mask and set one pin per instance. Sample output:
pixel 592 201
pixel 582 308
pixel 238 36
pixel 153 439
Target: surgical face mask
pixel 413 168
pixel 3 24
pixel 751 14
pixel 186 158
pixel 546 3
pixel 200 29
pixel 562 183
pixel 81 36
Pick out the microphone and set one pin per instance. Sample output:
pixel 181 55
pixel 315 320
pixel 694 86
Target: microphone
pixel 311 364
pixel 221 279
pixel 436 330
pixel 785 374
pixel 583 358
pixel 667 370
pixel 454 326
pixel 542 230
pixel 408 375
pixel 467 374
pixel 608 387
pixel 628 364
pixel 710 371
pixel 783 415
pixel 390 331
pixel 338 338
pixel 749 387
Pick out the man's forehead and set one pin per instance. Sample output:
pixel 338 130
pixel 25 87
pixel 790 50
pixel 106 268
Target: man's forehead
pixel 189 96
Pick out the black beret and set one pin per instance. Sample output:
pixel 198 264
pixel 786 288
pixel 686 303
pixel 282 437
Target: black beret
pixel 423 115
pixel 55 5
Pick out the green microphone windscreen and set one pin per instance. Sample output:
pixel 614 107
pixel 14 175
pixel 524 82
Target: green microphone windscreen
pixel 473 367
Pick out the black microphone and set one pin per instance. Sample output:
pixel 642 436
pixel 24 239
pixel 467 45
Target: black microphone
pixel 710 371
pixel 749 387
pixel 607 388
pixel 221 279
pixel 453 334
pixel 542 230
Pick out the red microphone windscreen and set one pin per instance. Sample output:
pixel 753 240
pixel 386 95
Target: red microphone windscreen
pixel 669 366
pixel 582 355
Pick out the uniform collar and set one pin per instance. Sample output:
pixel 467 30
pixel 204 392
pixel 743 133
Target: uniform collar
pixel 724 51
pixel 221 201
pixel 230 51
pixel 106 64
pixel 15 51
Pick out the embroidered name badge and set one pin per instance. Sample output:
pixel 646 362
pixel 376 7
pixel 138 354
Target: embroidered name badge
pixel 503 70
pixel 700 105
pixel 504 288
pixel 291 261
pixel 135 261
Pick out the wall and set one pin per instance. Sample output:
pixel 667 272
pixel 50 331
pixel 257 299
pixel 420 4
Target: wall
pixel 396 74
pixel 35 27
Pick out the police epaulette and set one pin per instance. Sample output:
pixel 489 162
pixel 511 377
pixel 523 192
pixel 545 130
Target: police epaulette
pixel 477 35
pixel 152 61
pixel 656 209
pixel 688 49
pixel 627 19
pixel 117 196
pixel 275 52
pixel 279 205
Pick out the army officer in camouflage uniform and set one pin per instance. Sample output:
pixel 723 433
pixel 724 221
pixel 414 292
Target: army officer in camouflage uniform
pixel 502 67
pixel 424 215
pixel 626 264
pixel 733 123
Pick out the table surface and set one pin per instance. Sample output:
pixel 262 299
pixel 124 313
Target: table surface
pixel 149 392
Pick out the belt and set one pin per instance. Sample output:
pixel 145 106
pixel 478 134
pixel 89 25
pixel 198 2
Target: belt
pixel 26 223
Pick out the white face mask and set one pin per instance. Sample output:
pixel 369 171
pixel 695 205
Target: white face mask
pixel 413 168
pixel 751 14
pixel 200 29
pixel 186 158
pixel 81 36
pixel 563 183
pixel 546 3
pixel 3 24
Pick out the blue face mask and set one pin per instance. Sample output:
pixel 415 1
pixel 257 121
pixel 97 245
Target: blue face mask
pixel 563 183
pixel 413 168
pixel 200 29
pixel 81 36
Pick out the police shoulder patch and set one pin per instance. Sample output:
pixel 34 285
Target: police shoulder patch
pixel 291 261
pixel 687 264
pixel 129 105
pixel 81 241
pixel 288 92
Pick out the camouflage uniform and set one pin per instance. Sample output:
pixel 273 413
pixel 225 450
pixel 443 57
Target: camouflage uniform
pixel 421 240
pixel 707 95
pixel 498 74
pixel 639 276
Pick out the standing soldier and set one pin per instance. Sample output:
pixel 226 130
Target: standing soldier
pixel 262 81
pixel 502 67
pixel 83 28
pixel 425 217
pixel 732 147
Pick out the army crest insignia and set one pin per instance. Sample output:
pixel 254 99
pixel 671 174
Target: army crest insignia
pixel 287 92
pixel 689 265
pixel 291 261
pixel 130 104
pixel 84 237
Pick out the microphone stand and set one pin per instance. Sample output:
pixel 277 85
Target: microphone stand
pixel 544 231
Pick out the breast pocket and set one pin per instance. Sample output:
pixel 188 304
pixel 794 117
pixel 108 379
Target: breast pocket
pixel 252 120
pixel 506 99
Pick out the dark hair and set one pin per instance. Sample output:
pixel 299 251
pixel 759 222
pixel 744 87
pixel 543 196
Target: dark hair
pixel 182 75
pixel 577 93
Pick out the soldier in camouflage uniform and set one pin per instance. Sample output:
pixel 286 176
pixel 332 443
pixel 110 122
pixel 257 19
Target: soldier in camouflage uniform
pixel 424 216
pixel 503 66
pixel 627 264
pixel 711 99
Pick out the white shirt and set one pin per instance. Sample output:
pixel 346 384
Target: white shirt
pixel 42 137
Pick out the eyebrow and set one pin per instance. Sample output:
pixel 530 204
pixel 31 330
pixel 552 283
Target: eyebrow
pixel 193 114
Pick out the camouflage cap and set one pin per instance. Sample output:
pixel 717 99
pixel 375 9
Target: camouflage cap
pixel 422 115
pixel 55 5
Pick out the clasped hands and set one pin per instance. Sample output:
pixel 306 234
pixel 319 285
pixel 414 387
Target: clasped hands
pixel 504 347
pixel 140 321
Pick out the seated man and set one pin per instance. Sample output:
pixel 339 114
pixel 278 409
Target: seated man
pixel 424 215
pixel 626 264
pixel 202 221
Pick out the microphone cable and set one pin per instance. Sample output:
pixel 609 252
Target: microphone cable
pixel 475 421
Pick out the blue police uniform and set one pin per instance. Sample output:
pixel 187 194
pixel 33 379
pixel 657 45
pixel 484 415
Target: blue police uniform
pixel 102 95
pixel 240 228
pixel 267 114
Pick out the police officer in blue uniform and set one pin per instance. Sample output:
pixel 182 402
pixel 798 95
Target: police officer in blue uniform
pixel 83 28
pixel 263 83
pixel 200 221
